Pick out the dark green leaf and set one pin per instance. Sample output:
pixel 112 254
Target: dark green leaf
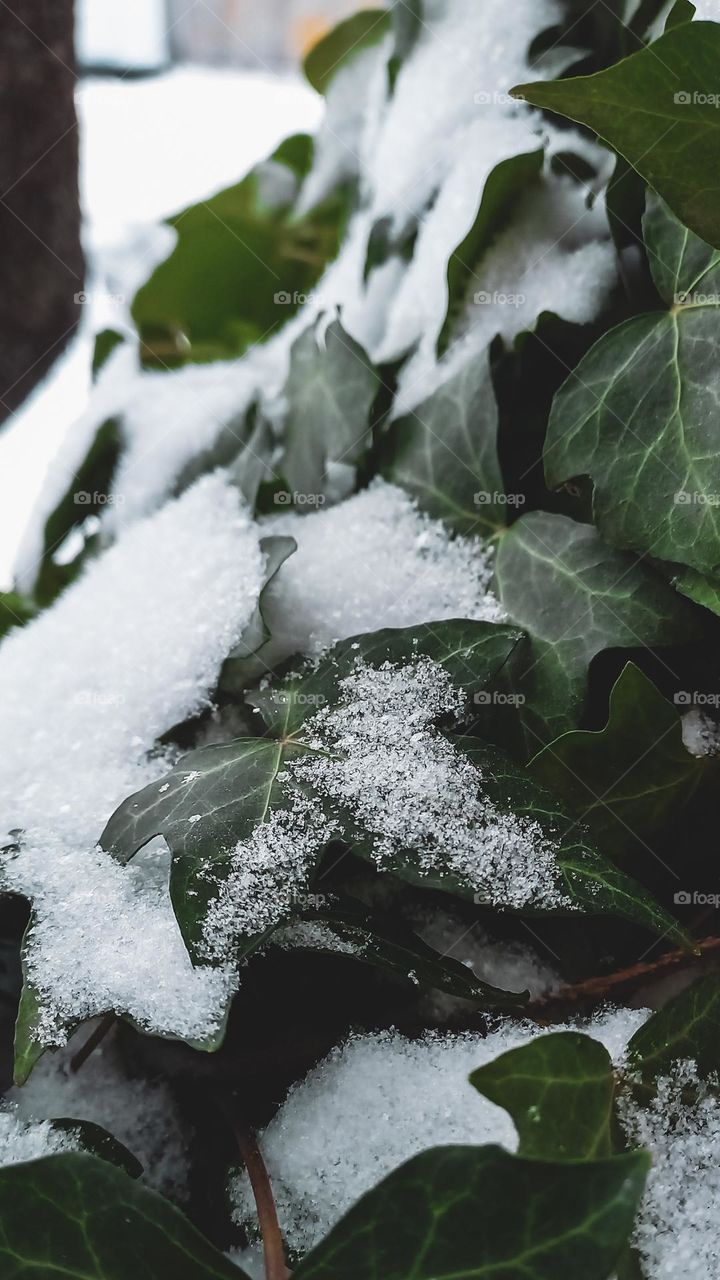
pixel 470 652
pixel 688 1027
pixel 590 880
pixel 96 1141
pixel 226 790
pixel 86 496
pixel 638 413
pixel 362 29
pixel 245 662
pixel 15 611
pixel 632 778
pixel 482 1214
pixel 501 192
pixel 445 452
pixel 388 946
pixel 700 588
pixel 77 1217
pixel 658 108
pixel 682 11
pixel 105 343
pixel 575 597
pixel 241 267
pixel 329 393
pixel 559 1090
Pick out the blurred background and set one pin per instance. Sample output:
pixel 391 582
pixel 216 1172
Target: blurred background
pixel 114 115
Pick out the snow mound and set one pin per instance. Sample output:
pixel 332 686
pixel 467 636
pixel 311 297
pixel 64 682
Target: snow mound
pixel 133 648
pixel 378 1100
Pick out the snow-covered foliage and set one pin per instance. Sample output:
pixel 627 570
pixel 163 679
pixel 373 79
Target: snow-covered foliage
pixel 317 626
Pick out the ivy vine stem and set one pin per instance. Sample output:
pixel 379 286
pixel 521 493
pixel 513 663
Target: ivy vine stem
pixel 273 1251
pixel 593 989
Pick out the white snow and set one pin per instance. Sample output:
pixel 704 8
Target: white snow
pixel 133 172
pixel 555 255
pixel 510 966
pixel 22 1139
pixel 130 650
pixel 376 757
pixel 376 1101
pixel 372 561
pixel 701 734
pixel 139 1113
pixel 676 1232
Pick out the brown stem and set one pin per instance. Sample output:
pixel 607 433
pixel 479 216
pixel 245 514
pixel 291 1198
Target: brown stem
pixel 98 1035
pixel 598 988
pixel 275 1268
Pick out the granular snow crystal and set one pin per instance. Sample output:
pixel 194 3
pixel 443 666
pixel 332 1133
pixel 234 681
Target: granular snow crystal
pixel 131 649
pixel 372 561
pixel 386 773
pixel 677 1228
pixel 378 1100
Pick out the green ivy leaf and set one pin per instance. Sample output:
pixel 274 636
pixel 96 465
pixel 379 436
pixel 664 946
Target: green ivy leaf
pixel 648 442
pixel 574 596
pixel 501 192
pixel 471 653
pixel 559 1090
pixel 335 50
pixel 329 393
pixel 226 790
pixel 657 109
pixel 15 611
pixel 682 11
pixel 388 946
pixel 480 1213
pixel 632 778
pixel 105 343
pixel 96 1141
pixel 698 587
pixel 593 883
pixel 687 1027
pixel 241 265
pixel 85 497
pixel 245 662
pixel 96 1224
pixel 445 452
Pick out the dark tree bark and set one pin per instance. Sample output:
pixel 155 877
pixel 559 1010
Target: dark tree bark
pixel 41 259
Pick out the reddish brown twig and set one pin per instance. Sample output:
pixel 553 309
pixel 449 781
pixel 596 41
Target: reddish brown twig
pixel 275 1268
pixel 594 989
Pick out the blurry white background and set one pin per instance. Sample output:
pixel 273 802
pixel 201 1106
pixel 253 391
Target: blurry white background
pixel 150 144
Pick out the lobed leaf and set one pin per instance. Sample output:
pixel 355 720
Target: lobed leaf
pixel 480 1213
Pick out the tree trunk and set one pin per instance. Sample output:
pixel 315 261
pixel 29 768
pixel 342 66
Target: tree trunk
pixel 42 264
